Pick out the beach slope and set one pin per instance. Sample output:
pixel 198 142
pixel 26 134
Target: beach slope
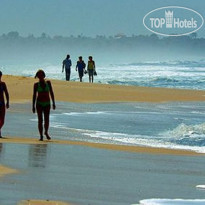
pixel 21 88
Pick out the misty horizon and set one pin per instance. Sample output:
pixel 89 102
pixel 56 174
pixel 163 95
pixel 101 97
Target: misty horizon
pixel 106 50
pixel 87 18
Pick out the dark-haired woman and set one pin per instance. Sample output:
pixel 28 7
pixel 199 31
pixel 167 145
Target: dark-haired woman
pixel 42 91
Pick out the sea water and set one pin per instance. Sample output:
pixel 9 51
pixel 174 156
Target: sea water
pixel 172 202
pixel 178 125
pixel 174 125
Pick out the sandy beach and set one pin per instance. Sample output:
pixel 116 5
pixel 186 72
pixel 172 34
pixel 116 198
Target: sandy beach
pixel 42 202
pixel 20 90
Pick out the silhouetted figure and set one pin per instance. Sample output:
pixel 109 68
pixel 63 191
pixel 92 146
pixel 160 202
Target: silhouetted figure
pixel 80 67
pixel 91 68
pixel 3 106
pixel 41 102
pixel 67 65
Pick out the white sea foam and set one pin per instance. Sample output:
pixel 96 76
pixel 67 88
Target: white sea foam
pixel 85 113
pixel 129 128
pixel 183 130
pixel 172 202
pixel 140 140
pixel 186 137
pixel 170 139
pixel 72 113
pixel 200 187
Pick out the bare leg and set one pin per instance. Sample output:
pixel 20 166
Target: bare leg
pixel 46 120
pixel 40 121
pixel 91 78
pixel 67 74
pixel 2 117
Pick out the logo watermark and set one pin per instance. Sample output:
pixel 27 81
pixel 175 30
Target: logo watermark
pixel 173 21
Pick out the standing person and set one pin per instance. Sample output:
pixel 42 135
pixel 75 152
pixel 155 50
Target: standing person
pixel 80 67
pixel 67 65
pixel 91 68
pixel 3 106
pixel 42 91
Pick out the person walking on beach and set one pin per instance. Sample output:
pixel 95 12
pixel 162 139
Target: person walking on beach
pixel 80 67
pixel 3 106
pixel 91 68
pixel 42 91
pixel 67 63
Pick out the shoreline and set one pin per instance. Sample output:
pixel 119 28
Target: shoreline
pixel 114 147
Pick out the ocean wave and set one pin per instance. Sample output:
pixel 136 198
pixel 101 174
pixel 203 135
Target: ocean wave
pixel 185 63
pixel 191 135
pixel 85 113
pixel 187 81
pixel 183 125
pixel 172 202
pixel 200 187
pixel 123 82
pixel 143 140
pixel 170 74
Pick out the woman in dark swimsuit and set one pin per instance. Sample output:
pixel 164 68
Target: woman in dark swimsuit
pixel 3 106
pixel 42 92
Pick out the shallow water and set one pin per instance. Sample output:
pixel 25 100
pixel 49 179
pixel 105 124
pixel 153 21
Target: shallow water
pixel 178 125
pixel 92 176
pixel 171 125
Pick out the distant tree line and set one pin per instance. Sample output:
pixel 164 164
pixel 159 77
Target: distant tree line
pixel 15 36
pixel 120 46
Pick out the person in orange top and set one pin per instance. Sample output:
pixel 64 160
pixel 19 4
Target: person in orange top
pixel 91 69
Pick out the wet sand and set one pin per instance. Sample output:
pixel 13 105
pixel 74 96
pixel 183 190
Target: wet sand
pixel 6 170
pixel 84 175
pixel 125 148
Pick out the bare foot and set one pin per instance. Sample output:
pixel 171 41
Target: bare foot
pixel 47 136
pixel 41 138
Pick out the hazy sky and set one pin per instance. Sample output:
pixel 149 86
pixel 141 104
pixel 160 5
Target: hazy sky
pixel 87 17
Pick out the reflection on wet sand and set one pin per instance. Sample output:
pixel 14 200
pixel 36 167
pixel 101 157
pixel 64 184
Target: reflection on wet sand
pixel 37 155
pixel 1 150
